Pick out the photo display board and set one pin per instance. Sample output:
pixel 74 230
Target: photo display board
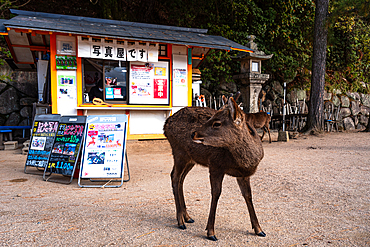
pixel 42 139
pixel 67 145
pixel 149 83
pixel 104 146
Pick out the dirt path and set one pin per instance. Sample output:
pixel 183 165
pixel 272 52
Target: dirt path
pixel 311 191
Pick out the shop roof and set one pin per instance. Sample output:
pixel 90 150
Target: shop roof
pixel 119 29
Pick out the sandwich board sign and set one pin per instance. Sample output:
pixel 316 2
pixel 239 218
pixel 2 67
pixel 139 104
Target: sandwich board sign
pixel 104 150
pixel 66 148
pixel 43 133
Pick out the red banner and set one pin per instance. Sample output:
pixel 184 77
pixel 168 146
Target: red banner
pixel 160 88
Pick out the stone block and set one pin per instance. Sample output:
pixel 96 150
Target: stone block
pixel 365 100
pixel 9 101
pixel 301 95
pixel 348 123
pixel 25 150
pixel 13 119
pixel 26 112
pixel 327 96
pixel 354 96
pixel 10 145
pixel 337 91
pixel 365 110
pixel 336 100
pixel 278 87
pixel 355 108
pixel 345 101
pixel 283 136
pixel 363 119
pixel 345 112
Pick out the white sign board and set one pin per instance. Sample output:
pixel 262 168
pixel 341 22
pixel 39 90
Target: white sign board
pixel 180 80
pixel 149 83
pixel 104 147
pixel 67 92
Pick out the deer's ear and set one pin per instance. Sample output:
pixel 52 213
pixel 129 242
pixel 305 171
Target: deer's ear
pixel 235 111
pixel 224 100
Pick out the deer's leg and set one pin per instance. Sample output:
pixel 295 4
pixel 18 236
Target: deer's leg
pixel 264 131
pixel 185 172
pixel 267 129
pixel 180 169
pixel 245 188
pixel 216 188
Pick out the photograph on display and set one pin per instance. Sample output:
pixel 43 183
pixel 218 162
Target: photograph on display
pixel 38 143
pixel 58 148
pixel 69 148
pixel 95 158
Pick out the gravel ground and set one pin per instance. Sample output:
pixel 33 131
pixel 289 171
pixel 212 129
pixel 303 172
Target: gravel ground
pixel 310 191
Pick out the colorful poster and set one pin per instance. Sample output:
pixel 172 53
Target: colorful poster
pixel 149 83
pixel 66 148
pixel 41 143
pixel 104 148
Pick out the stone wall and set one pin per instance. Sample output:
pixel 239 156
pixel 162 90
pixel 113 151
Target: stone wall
pixel 354 107
pixel 18 90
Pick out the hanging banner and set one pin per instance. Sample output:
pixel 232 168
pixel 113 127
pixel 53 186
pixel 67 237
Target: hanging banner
pixel 67 92
pixel 42 139
pixel 67 145
pixel 104 146
pixel 149 83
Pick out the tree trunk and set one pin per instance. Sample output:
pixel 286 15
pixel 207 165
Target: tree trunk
pixel 315 120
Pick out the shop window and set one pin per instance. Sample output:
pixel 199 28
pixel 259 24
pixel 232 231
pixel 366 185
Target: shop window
pixel 105 79
pixel 163 50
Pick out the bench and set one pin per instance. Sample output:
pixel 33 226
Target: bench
pixel 9 130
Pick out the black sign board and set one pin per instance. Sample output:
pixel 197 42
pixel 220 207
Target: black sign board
pixel 67 145
pixel 43 133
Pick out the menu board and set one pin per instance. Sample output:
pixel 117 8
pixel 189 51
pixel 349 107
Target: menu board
pixel 149 83
pixel 42 139
pixel 104 146
pixel 67 145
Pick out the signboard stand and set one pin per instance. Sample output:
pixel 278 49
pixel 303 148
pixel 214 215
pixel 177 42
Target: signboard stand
pixel 66 149
pixel 104 151
pixel 42 139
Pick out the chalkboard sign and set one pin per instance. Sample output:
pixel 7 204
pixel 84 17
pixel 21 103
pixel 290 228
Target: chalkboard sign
pixel 67 145
pixel 42 139
pixel 104 147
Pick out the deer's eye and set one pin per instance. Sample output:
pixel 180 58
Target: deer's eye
pixel 216 124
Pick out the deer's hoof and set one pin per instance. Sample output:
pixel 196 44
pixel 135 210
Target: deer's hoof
pixel 182 227
pixel 213 238
pixel 189 220
pixel 261 234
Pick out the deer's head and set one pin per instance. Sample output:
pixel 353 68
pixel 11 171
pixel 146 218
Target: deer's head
pixel 225 128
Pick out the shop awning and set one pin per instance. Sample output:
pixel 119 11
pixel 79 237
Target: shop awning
pixel 120 30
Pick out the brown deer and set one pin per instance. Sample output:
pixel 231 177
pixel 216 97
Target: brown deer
pixel 260 120
pixel 221 140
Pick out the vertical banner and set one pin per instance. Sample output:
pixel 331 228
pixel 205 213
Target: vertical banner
pixel 180 81
pixel 67 145
pixel 104 146
pixel 67 92
pixel 42 139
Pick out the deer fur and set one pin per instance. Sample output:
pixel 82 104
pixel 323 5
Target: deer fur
pixel 221 140
pixel 260 120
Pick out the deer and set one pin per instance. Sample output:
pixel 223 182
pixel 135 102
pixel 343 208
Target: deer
pixel 224 142
pixel 260 120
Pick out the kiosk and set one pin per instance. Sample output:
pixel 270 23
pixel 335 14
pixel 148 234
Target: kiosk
pixel 141 70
